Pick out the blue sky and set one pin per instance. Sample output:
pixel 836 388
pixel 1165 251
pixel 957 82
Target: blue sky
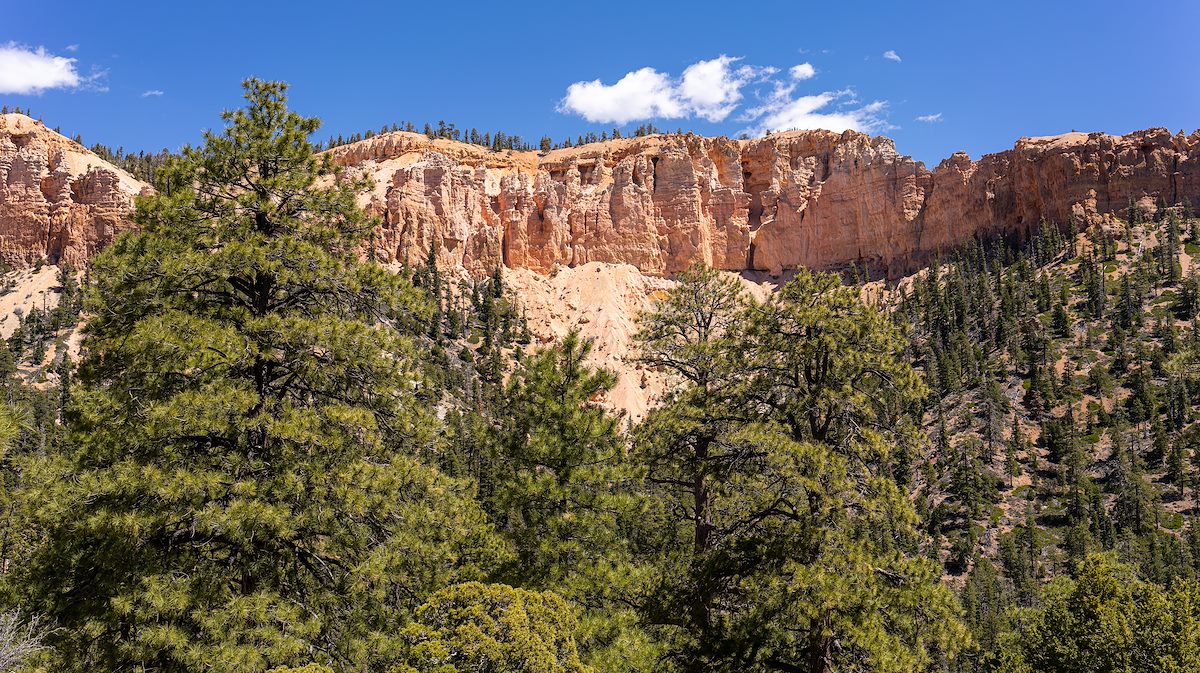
pixel 154 74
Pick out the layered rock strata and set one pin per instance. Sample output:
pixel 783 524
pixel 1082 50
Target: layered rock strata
pixel 658 203
pixel 804 198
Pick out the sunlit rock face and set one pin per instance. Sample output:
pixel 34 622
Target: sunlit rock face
pixel 804 198
pixel 659 203
pixel 58 201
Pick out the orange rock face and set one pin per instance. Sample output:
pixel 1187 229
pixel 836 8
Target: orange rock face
pixel 806 198
pixel 659 203
pixel 58 201
pixel 1077 175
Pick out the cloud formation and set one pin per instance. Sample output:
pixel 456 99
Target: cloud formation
pixel 641 94
pixel 714 89
pixel 891 55
pixel 803 71
pixel 709 89
pixel 151 92
pixel 31 71
pixel 833 110
pixel 930 119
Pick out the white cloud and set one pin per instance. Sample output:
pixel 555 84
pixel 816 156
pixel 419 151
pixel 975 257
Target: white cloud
pixel 930 119
pixel 708 89
pixel 891 55
pixel 151 92
pixel 832 110
pixel 641 94
pixel 803 71
pixel 72 48
pixel 31 71
pixel 714 89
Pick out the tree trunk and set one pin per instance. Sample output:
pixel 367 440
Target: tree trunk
pixel 817 652
pixel 700 537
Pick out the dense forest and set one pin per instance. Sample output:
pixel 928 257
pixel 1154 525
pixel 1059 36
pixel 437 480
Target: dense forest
pixel 1064 416
pixel 275 455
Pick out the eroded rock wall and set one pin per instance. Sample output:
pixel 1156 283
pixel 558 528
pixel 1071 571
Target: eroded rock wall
pixel 807 198
pixel 658 203
pixel 58 201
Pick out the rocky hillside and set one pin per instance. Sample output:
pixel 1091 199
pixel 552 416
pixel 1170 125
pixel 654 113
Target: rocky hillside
pixel 616 214
pixel 1062 416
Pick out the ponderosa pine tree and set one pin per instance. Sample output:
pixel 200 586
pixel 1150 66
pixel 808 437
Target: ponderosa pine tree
pixel 494 628
pixel 986 601
pixel 830 370
pixel 555 451
pixel 787 543
pixel 245 488
pixel 559 487
pixel 12 533
pixel 688 458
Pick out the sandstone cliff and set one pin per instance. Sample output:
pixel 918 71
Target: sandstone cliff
pixel 804 198
pixel 811 198
pixel 58 201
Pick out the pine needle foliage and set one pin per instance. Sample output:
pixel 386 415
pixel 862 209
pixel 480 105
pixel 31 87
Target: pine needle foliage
pixel 786 541
pixel 245 488
pixel 492 627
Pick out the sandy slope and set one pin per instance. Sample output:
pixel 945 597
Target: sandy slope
pixel 30 289
pixel 603 302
